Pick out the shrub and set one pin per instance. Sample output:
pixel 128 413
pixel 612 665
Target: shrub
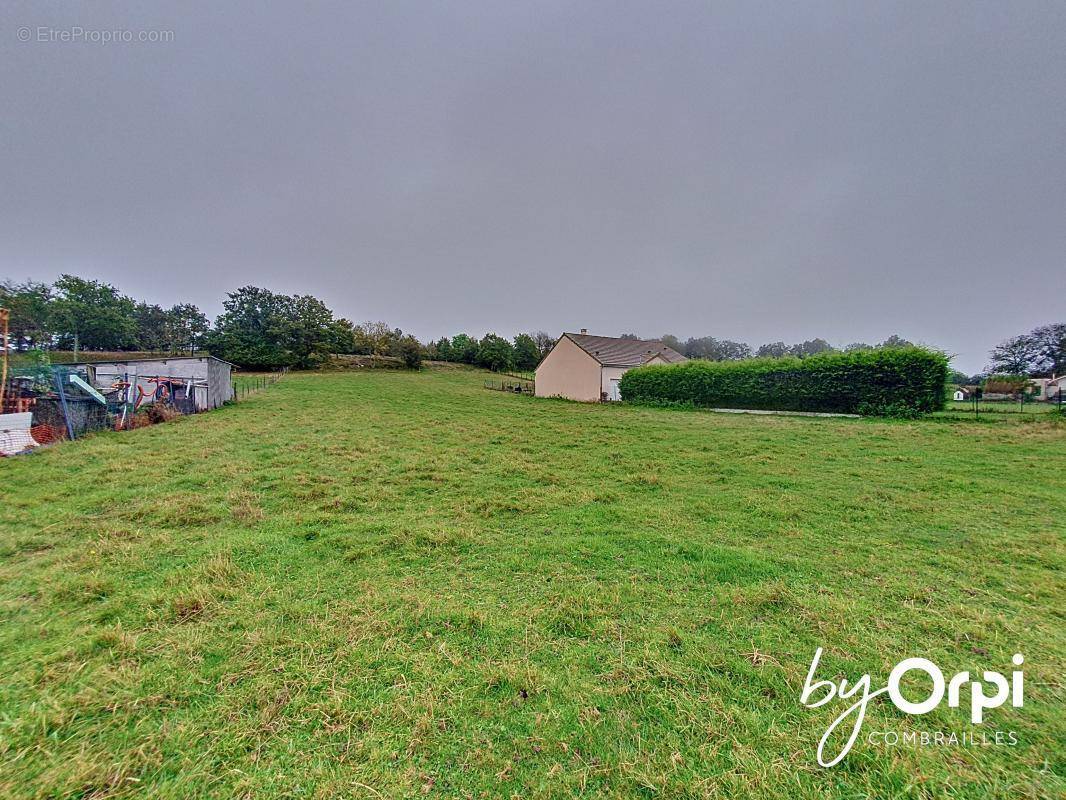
pixel 410 352
pixel 161 412
pixel 897 382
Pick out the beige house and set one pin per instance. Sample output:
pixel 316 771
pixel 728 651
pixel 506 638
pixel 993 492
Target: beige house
pixel 1048 388
pixel 583 367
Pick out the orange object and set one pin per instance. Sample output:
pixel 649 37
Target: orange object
pixel 46 434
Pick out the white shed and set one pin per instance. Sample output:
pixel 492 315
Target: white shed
pixel 203 381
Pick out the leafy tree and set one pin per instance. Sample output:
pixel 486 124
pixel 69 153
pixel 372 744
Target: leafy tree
pixel 629 336
pixel 395 337
pixel 811 347
pixel 181 328
pixel 186 327
pixel 152 333
pixel 443 349
pixel 1042 351
pixel 1050 341
pixel 92 315
pixel 254 329
pixel 1016 356
pixel 410 352
pixel 342 336
pixel 311 330
pixel 772 350
pixel 264 330
pixel 672 342
pixel 545 342
pixel 896 341
pixel 495 353
pixel 464 348
pixel 734 351
pixel 713 349
pixel 958 378
pixel 29 306
pixel 857 347
pixel 373 338
pixel 526 354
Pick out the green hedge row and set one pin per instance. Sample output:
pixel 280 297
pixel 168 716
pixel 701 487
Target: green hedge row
pixel 899 382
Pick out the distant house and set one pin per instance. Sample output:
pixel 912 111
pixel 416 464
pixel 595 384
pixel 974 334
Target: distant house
pixel 198 382
pixel 961 394
pixel 1048 388
pixel 588 368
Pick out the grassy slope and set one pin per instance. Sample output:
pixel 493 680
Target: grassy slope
pixel 384 584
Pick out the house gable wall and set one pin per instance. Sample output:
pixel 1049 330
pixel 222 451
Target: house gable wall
pixel 568 371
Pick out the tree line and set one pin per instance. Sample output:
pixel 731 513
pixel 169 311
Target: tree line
pixel 494 352
pixel 257 329
pixel 711 349
pixel 261 329
pixel 78 314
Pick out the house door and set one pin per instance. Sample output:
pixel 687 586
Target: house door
pixel 614 394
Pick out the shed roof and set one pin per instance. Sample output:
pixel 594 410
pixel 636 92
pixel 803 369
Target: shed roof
pixel 144 360
pixel 611 351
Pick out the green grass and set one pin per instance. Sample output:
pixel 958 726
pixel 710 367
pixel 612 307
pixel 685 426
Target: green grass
pixel 248 382
pixel 524 374
pixel 999 411
pixel 1003 407
pixel 386 584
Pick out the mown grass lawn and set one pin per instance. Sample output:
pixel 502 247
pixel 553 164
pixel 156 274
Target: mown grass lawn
pixel 388 584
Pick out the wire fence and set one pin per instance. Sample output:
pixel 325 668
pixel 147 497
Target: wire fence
pixel 1019 408
pixel 244 385
pixel 44 404
pixel 516 385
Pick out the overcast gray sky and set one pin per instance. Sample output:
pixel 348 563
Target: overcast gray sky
pixel 754 171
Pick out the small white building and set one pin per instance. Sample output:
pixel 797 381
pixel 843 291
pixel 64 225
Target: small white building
pixel 588 368
pixel 960 395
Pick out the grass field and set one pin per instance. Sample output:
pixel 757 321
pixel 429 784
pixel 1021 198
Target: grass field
pixel 999 411
pixel 245 383
pixel 385 584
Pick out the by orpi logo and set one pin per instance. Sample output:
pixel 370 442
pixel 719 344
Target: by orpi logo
pixel 979 699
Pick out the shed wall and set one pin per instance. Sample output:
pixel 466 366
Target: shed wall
pixel 220 382
pixel 214 374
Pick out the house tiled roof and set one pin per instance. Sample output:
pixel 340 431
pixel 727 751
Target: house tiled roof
pixel 614 352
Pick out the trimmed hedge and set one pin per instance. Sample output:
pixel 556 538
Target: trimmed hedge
pixel 897 382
